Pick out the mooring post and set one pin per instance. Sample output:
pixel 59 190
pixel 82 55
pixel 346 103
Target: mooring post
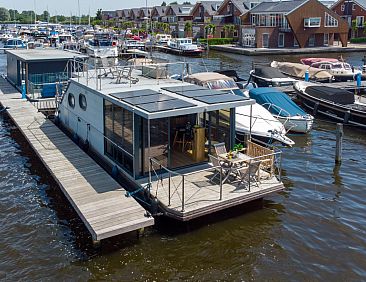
pixel 339 141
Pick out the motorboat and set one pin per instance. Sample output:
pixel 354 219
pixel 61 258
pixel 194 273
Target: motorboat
pixel 163 38
pixel 131 44
pixel 283 108
pixel 266 76
pixel 102 46
pixel 183 46
pixel 341 71
pixel 255 120
pixel 337 104
pixel 299 71
pixel 15 43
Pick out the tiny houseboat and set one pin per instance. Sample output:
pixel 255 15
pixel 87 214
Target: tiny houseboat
pixel 183 46
pixel 159 135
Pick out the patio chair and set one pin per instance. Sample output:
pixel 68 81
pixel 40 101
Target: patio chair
pixel 249 173
pixel 126 73
pixel 220 148
pixel 108 68
pixel 218 168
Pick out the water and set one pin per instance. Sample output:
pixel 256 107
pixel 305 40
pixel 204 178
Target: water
pixel 315 230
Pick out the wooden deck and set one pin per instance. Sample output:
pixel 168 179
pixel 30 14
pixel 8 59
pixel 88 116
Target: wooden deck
pixel 202 196
pixel 97 198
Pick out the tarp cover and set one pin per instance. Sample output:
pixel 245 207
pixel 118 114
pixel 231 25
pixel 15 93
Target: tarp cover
pixel 339 96
pixel 269 96
pixel 268 72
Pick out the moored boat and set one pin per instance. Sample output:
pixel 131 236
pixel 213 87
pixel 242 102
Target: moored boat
pixel 299 71
pixel 283 108
pixel 183 46
pixel 335 103
pixel 265 76
pixel 102 46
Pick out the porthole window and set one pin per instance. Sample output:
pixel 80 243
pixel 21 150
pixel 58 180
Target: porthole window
pixel 82 102
pixel 71 99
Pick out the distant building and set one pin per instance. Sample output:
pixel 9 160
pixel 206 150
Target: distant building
pixel 204 11
pixel 298 23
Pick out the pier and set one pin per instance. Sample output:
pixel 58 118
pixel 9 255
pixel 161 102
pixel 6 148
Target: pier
pixel 97 198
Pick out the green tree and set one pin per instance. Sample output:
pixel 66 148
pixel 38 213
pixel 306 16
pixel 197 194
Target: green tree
pixel 210 29
pixel 364 27
pixel 163 4
pixel 99 14
pixel 354 28
pixel 173 3
pixel 187 3
pixel 45 16
pixel 229 30
pixel 188 28
pixel 4 15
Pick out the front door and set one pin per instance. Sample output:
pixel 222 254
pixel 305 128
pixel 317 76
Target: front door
pixel 281 40
pixel 265 40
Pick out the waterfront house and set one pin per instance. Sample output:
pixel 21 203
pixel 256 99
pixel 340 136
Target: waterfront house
pixel 134 14
pixel 354 13
pixel 125 15
pixel 178 13
pixel 108 15
pixel 204 11
pixel 299 23
pixel 158 13
pixel 144 13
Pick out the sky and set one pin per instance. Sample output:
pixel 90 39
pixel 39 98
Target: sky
pixel 67 7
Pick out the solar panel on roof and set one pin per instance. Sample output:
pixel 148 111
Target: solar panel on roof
pixel 183 88
pixel 148 99
pixel 165 105
pixel 130 94
pixel 216 99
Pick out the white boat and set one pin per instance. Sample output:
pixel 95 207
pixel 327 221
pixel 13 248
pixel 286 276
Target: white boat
pixel 183 46
pixel 131 44
pixel 163 38
pixel 262 124
pixel 102 46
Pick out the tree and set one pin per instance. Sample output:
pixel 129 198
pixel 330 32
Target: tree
pixel 99 15
pixel 229 30
pixel 4 15
pixel 188 28
pixel 354 28
pixel 187 3
pixel 163 4
pixel 174 3
pixel 210 29
pixel 45 16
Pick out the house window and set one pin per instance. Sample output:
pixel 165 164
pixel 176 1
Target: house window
pixel 281 40
pixel 312 22
pixel 342 7
pixel 326 39
pixel 296 44
pixel 265 40
pixel 360 20
pixel 252 5
pixel 330 21
pixel 353 7
pixel 235 33
pixel 312 40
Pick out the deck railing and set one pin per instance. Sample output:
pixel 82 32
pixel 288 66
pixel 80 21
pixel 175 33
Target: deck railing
pixel 271 162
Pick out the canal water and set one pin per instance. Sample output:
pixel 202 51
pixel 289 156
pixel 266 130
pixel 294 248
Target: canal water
pixel 315 230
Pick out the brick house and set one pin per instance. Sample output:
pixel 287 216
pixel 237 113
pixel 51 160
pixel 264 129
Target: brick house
pixel 297 23
pixel 108 15
pixel 204 11
pixel 352 10
pixel 134 14
pixel 158 13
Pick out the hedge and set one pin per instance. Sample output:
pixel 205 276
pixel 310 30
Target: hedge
pixel 217 41
pixel 358 40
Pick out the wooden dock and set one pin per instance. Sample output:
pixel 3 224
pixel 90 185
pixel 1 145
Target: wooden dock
pixel 97 198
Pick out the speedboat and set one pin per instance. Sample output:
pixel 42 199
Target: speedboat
pixel 299 71
pixel 102 46
pixel 183 46
pixel 337 104
pixel 283 108
pixel 265 76
pixel 341 71
pixel 256 121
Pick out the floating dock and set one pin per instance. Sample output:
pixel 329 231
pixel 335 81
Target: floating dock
pixel 97 198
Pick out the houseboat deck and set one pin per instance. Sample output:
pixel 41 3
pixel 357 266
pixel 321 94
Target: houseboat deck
pixel 202 196
pixel 97 198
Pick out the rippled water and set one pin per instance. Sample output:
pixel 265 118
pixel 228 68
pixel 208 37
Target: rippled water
pixel 315 230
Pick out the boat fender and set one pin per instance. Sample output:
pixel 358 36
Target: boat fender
pixel 154 206
pixel 346 116
pixel 114 172
pixel 315 109
pixel 86 146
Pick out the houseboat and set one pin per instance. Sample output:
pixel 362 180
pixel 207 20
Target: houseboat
pixel 159 136
pixel 163 39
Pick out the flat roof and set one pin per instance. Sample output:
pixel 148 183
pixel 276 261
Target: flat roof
pixel 39 55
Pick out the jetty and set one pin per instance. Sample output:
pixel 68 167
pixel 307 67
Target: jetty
pixel 99 200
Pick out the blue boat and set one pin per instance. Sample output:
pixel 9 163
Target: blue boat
pixel 15 43
pixel 282 107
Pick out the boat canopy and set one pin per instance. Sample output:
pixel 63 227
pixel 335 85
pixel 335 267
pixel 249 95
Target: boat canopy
pixel 268 72
pixel 267 96
pixel 310 61
pixel 336 95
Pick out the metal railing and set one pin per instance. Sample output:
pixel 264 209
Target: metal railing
pixel 177 182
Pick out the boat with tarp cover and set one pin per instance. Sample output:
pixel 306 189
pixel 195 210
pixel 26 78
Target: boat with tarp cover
pixel 335 103
pixel 283 108
pixel 265 76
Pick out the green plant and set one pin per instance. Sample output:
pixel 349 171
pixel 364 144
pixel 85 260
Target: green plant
pixel 216 41
pixel 238 147
pixel 358 40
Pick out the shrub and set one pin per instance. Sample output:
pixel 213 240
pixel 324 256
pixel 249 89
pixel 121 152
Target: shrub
pixel 217 41
pixel 358 40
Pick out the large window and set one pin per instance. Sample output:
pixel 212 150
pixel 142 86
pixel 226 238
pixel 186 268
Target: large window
pixel 311 40
pixel 118 128
pixel 330 21
pixel 312 22
pixel 360 20
pixel 265 40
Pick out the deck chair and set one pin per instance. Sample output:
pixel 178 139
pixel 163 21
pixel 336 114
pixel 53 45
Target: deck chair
pixel 220 148
pixel 126 73
pixel 216 164
pixel 249 173
pixel 108 68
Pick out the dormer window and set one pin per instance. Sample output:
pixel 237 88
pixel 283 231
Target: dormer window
pixel 312 22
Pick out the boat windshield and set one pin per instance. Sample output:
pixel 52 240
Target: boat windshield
pixel 337 66
pixel 347 66
pixel 221 84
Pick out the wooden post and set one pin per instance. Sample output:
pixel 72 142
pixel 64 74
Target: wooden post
pixel 339 141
